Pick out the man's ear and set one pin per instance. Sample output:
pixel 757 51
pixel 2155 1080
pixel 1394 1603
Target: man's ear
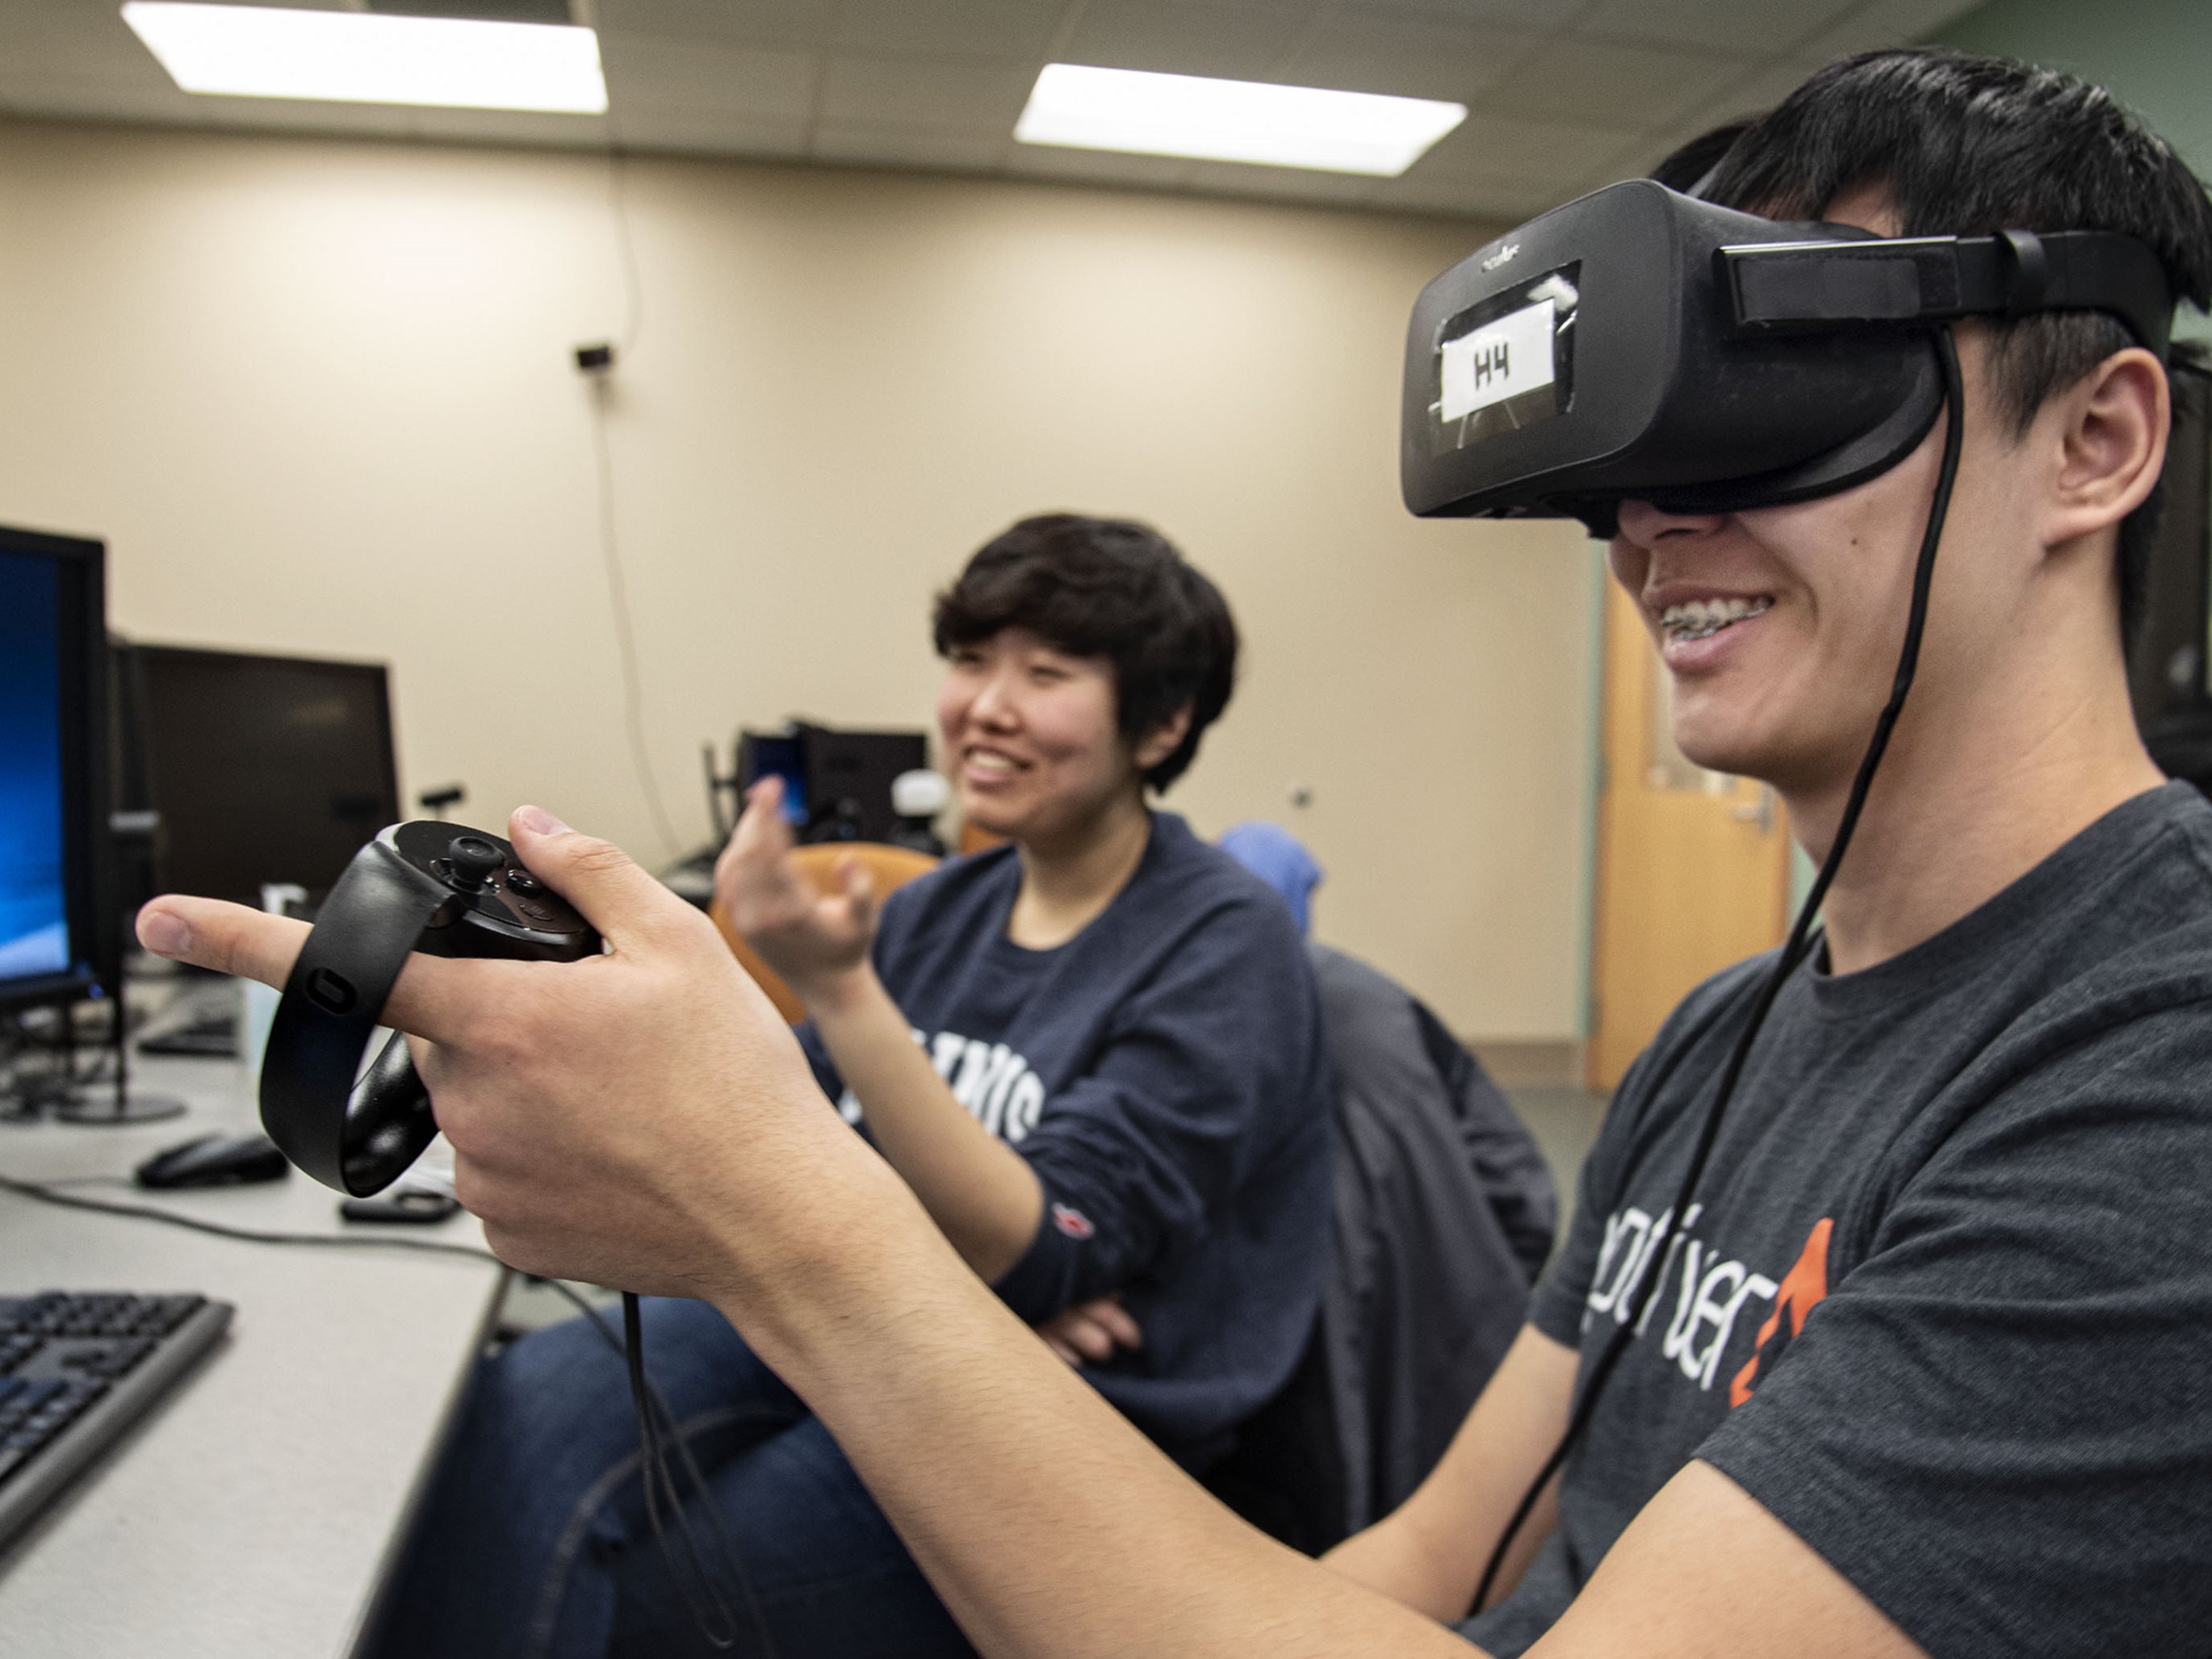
pixel 2111 437
pixel 1164 739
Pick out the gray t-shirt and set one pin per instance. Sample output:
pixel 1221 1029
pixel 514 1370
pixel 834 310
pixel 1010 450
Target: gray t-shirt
pixel 1944 1305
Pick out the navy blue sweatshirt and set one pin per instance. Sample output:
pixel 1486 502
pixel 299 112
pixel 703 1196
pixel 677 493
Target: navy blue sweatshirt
pixel 1164 1075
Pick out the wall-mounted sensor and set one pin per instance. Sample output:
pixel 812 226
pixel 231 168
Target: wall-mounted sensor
pixel 594 359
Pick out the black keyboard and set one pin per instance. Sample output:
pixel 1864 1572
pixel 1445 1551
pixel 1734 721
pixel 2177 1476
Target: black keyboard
pixel 76 1370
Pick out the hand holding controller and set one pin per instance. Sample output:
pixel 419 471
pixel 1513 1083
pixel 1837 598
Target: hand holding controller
pixel 441 889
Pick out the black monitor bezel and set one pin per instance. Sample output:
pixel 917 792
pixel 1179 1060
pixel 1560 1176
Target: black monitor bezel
pixel 141 654
pixel 82 598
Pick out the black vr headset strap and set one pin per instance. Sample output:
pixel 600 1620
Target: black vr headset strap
pixel 332 1002
pixel 1787 287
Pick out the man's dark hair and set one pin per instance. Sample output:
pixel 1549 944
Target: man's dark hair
pixel 1686 168
pixel 1111 588
pixel 1966 145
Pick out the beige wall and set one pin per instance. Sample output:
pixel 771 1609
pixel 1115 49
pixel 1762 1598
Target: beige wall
pixel 318 398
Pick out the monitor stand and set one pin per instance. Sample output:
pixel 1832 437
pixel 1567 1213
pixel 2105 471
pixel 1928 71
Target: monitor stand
pixel 114 1103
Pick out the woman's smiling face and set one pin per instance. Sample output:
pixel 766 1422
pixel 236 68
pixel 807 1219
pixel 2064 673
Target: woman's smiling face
pixel 1031 735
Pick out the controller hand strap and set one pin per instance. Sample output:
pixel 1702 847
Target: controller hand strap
pixel 358 1140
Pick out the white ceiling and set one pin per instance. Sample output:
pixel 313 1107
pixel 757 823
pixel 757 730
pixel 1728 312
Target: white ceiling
pixel 1564 94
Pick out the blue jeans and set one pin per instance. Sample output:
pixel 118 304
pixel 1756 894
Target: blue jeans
pixel 533 1542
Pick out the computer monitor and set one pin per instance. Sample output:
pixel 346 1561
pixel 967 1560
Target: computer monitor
pixel 53 785
pixel 258 768
pixel 837 784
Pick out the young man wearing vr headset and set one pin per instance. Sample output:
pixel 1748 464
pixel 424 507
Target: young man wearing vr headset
pixel 1921 1366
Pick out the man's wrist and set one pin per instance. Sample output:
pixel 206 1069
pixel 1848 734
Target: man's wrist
pixel 820 1276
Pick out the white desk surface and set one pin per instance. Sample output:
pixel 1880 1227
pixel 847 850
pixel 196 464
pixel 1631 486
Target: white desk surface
pixel 251 1513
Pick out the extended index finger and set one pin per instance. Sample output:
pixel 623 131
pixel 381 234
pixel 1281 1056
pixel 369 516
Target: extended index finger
pixel 233 938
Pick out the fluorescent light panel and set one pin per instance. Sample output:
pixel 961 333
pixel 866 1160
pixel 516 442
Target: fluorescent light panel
pixel 1253 121
pixel 348 57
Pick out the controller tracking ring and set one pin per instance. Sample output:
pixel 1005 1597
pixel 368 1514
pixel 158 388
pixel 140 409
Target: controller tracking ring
pixel 439 888
pixel 358 1140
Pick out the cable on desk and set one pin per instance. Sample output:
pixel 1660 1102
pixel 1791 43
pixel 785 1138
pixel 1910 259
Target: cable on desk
pixel 657 1428
pixel 48 1193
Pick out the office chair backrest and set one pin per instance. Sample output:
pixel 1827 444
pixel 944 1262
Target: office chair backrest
pixel 892 867
pixel 1444 1212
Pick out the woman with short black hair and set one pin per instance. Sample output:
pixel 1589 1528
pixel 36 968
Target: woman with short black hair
pixel 1093 1052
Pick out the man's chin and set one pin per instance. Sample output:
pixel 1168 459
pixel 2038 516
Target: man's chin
pixel 1736 755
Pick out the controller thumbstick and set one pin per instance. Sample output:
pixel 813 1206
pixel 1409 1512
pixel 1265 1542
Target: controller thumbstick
pixel 470 860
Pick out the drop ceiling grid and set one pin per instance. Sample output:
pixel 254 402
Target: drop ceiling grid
pixel 1562 95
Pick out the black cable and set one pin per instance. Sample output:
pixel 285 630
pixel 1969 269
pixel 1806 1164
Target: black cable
pixel 657 1430
pixel 625 633
pixel 626 250
pixel 656 1424
pixel 47 1193
pixel 1800 945
pixel 618 588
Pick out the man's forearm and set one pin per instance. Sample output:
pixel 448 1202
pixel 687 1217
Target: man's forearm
pixel 978 1190
pixel 1430 1554
pixel 1048 1525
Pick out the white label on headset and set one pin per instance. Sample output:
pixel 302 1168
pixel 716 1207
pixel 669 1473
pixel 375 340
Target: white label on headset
pixel 1498 361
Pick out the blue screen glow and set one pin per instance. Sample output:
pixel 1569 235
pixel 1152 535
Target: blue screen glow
pixel 33 916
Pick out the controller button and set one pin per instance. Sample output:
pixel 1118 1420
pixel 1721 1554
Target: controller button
pixel 535 910
pixel 470 861
pixel 519 880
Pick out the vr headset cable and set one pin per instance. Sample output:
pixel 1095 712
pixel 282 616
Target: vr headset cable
pixel 1799 946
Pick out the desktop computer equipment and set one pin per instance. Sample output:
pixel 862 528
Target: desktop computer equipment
pixel 837 784
pixel 74 1371
pixel 256 769
pixel 53 783
pixel 237 770
pixel 60 936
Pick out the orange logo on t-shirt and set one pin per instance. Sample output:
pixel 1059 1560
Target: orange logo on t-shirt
pixel 1801 1289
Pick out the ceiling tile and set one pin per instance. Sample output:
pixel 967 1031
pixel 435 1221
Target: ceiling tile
pixel 81 99
pixel 1281 184
pixel 1609 81
pixel 652 71
pixel 705 132
pixel 73 42
pixel 1236 43
pixel 951 29
pixel 1501 204
pixel 906 147
pixel 500 126
pixel 1758 27
pixel 1539 16
pixel 978 97
pixel 281 115
pixel 1881 23
pixel 1099 166
pixel 1409 57
pixel 744 23
pixel 1497 149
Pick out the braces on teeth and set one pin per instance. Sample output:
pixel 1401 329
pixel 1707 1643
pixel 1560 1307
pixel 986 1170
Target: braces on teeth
pixel 1702 619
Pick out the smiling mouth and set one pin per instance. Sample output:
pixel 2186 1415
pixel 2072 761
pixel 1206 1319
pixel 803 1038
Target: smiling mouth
pixel 1701 619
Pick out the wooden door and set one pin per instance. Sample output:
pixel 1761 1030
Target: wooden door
pixel 1692 866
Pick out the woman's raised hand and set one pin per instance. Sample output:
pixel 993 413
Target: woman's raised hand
pixel 813 940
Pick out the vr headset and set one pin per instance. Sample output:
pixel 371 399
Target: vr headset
pixel 1638 343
